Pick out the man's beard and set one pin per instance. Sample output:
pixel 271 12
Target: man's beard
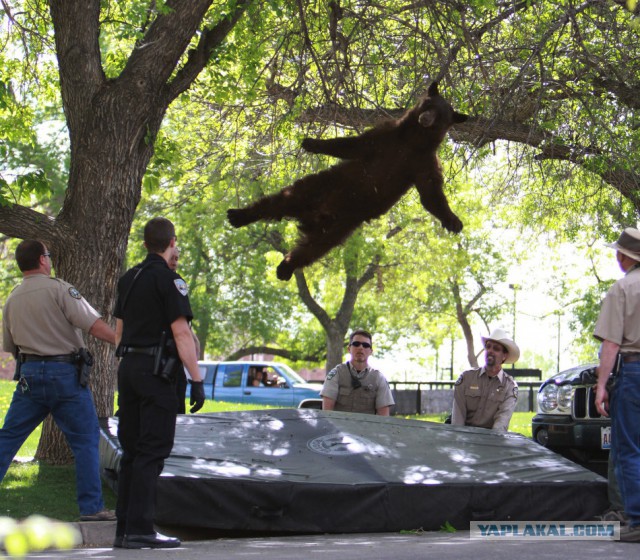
pixel 491 360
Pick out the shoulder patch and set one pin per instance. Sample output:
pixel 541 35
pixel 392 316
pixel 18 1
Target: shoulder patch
pixel 332 374
pixel 515 391
pixel 74 293
pixel 181 285
pixel 459 380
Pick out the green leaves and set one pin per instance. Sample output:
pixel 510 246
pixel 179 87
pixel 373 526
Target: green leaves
pixel 447 528
pixel 552 146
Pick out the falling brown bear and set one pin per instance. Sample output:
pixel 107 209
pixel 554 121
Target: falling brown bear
pixel 380 165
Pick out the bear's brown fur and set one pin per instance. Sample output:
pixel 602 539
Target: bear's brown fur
pixel 379 167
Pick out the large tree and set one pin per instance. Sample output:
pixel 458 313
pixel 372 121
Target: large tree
pixel 113 119
pixel 558 78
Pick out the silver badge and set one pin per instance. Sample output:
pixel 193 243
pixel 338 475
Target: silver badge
pixel 182 286
pixel 74 293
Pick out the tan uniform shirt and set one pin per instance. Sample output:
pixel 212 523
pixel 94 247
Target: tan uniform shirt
pixel 45 316
pixel 374 392
pixel 619 316
pixel 483 401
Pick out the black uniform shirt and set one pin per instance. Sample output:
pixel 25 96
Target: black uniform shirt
pixel 158 297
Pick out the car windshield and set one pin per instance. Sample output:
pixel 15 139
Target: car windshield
pixel 292 374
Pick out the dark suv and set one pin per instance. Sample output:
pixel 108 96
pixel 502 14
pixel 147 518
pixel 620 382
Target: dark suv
pixel 567 420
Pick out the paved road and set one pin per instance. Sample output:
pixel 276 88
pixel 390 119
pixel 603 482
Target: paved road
pixel 387 546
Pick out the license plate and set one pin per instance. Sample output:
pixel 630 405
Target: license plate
pixel 605 437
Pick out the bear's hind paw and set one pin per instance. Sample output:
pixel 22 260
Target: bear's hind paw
pixel 310 145
pixel 238 217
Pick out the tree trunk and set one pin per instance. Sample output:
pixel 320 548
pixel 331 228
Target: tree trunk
pixel 111 158
pixel 112 126
pixel 54 448
pixel 335 347
pixel 462 314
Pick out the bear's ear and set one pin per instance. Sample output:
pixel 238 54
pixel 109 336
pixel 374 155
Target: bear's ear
pixel 427 118
pixel 459 117
pixel 433 89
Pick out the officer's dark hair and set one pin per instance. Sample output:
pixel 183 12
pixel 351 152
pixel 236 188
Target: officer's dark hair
pixel 158 233
pixel 28 254
pixel 361 332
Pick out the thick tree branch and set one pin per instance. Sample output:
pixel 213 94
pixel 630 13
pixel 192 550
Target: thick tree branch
pixel 275 240
pixel 270 350
pixel 77 32
pixel 210 40
pixel 155 57
pixel 24 223
pixel 352 290
pixel 348 303
pixel 309 45
pixel 479 131
pixel 311 304
pixel 462 315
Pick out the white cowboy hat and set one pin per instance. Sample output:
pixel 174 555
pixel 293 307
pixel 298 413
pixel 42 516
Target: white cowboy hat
pixel 500 336
pixel 628 243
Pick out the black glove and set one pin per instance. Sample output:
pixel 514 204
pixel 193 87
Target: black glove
pixel 197 396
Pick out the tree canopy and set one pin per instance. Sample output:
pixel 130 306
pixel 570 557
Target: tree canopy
pixel 197 106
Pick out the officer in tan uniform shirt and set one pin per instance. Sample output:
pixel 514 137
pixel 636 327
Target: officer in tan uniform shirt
pixel 618 327
pixel 354 386
pixel 486 397
pixel 42 326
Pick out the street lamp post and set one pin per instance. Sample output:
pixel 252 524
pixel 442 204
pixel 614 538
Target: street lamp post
pixel 514 287
pixel 558 315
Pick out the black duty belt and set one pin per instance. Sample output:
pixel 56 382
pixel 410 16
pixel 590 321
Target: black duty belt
pixel 146 350
pixel 66 358
pixel 631 357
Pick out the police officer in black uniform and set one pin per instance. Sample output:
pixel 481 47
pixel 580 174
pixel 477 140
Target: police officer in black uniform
pixel 154 341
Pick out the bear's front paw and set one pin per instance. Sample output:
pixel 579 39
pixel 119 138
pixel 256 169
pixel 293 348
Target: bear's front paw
pixel 237 217
pixel 453 224
pixel 284 270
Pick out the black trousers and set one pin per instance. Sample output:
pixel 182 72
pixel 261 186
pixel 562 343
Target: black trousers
pixel 181 391
pixel 147 408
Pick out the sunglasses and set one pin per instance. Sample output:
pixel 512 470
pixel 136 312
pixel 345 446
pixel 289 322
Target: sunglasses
pixel 357 344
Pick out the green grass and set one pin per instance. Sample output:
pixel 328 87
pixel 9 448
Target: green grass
pixel 28 450
pixel 520 421
pixel 32 487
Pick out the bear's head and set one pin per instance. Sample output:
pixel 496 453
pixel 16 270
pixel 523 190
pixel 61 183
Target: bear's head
pixel 434 112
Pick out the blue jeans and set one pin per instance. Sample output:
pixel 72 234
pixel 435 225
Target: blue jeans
pixel 54 388
pixel 625 437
